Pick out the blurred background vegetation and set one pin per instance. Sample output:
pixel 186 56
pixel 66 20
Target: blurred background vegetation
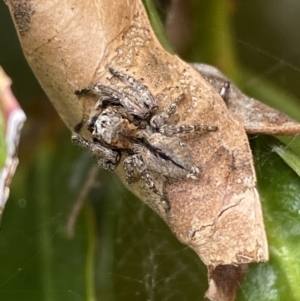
pixel 121 250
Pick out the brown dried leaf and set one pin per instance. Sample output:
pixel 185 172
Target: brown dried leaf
pixel 70 44
pixel 224 281
pixel 256 117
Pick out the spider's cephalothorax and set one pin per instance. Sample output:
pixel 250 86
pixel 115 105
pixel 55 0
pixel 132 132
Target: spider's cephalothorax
pixel 125 124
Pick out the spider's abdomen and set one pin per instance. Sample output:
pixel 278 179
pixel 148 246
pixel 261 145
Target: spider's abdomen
pixel 169 157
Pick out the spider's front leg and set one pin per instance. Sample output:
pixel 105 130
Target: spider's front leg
pixel 106 158
pixel 135 163
pixel 139 104
pixel 111 97
pixel 146 98
pixel 108 95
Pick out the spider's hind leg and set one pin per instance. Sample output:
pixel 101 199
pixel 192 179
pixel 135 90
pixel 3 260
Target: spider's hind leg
pixel 170 130
pixel 135 162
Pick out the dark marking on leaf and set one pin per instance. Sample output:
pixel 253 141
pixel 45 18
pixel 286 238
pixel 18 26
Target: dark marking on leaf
pixel 22 11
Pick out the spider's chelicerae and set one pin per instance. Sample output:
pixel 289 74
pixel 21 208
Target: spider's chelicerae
pixel 124 123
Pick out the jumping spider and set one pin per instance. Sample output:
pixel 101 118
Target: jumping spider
pixel 124 123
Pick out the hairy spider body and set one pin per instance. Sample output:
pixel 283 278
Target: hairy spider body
pixel 116 132
pixel 166 156
pixel 123 123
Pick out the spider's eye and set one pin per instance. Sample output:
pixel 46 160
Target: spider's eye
pixel 91 124
pixel 154 108
pixel 78 127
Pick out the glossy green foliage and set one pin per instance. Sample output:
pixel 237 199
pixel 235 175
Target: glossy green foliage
pixel 279 189
pixel 38 261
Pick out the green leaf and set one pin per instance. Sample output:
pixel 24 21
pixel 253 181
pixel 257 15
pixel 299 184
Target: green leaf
pixel 279 189
pixel 288 156
pixel 157 25
pixel 38 260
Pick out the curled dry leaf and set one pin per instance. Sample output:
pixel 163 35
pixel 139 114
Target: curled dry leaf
pixel 12 120
pixel 70 44
pixel 256 117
